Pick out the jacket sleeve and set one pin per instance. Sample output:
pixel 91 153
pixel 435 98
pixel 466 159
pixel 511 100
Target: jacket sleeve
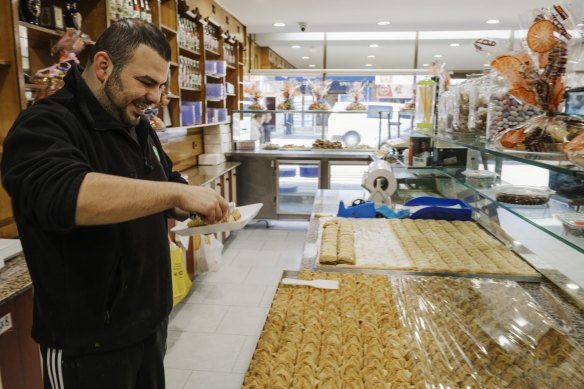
pixel 42 169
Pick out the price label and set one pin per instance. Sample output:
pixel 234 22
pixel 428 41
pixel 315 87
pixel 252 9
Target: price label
pixel 5 323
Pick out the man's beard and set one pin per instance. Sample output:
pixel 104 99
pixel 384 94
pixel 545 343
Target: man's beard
pixel 111 88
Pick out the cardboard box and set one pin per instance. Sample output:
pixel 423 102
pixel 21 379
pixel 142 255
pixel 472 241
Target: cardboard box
pixel 216 139
pixel 219 149
pixel 211 159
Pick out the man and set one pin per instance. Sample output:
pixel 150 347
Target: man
pixel 91 188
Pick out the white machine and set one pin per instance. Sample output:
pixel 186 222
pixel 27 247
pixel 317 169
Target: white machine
pixel 379 180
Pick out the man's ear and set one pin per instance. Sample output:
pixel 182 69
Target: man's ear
pixel 102 65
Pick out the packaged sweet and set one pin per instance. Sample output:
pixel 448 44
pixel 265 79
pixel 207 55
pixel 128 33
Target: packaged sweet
pixel 356 92
pixel 537 76
pixel 523 194
pixel 319 90
pixel 574 150
pixel 480 178
pixel 256 95
pixel 289 90
pixel 573 223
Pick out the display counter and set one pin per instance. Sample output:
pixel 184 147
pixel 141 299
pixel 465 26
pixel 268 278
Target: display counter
pixel 285 181
pixel 549 291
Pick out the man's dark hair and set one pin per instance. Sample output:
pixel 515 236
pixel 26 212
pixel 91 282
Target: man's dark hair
pixel 124 36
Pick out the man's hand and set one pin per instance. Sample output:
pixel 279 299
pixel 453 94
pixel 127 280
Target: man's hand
pixel 206 202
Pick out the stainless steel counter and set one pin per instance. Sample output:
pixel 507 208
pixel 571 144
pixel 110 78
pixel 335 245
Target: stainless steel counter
pixel 309 154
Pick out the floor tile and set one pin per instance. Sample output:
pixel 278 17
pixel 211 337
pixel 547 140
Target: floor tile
pixel 211 380
pixel 225 275
pixel 252 242
pixel 198 318
pixel 209 352
pixel 176 378
pixel 197 293
pixel 235 294
pixel 243 321
pixel 263 276
pixel 247 257
pixel 244 357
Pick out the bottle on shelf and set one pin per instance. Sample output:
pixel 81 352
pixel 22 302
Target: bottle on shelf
pixel 145 12
pixel 189 74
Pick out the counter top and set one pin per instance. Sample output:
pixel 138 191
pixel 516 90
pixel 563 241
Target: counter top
pixel 14 279
pixel 309 153
pixel 202 174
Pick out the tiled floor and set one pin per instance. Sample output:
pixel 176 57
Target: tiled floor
pixel 214 331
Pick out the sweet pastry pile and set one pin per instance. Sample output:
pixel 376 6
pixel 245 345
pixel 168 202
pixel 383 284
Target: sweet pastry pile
pixel 198 221
pixel 326 144
pixel 483 333
pixel 338 242
pixel 428 246
pixel 330 339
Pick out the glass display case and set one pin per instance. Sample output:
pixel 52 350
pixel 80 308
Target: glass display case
pixel 535 198
pixel 367 129
pixel 298 181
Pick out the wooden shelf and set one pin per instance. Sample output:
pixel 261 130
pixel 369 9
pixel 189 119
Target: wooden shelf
pixel 184 50
pixel 230 94
pixel 241 64
pixel 211 51
pixel 167 29
pixel 175 64
pixel 231 67
pixel 4 62
pixel 194 126
pixel 190 89
pixel 40 33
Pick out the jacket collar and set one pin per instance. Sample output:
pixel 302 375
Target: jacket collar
pixel 88 104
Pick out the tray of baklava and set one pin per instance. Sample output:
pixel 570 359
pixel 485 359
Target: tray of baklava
pixel 431 247
pixel 390 331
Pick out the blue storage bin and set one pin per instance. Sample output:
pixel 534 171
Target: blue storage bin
pixel 287 172
pixel 436 208
pixel 288 188
pixel 309 171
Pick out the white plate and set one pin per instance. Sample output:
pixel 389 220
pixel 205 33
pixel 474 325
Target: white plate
pixel 248 212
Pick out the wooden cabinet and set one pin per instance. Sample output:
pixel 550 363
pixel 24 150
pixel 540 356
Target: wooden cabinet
pixel 20 362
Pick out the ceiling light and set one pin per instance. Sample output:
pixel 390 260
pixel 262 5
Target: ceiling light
pixel 438 56
pixel 370 56
pixel 384 23
pixel 426 65
pixel 295 47
pixel 305 57
pixel 573 286
pixel 311 66
pixel 580 25
pixel 374 45
pixel 279 24
pixel 486 65
pixel 454 44
pixel 368 64
pixel 492 21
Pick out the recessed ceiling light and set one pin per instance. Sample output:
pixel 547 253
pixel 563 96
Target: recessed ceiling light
pixel 426 65
pixel 384 23
pixel 370 56
pixel 573 286
pixel 368 64
pixel 486 65
pixel 279 24
pixel 438 56
pixel 580 24
pixel 374 45
pixel 454 44
pixel 295 46
pixel 305 57
pixel 492 21
pixel 311 66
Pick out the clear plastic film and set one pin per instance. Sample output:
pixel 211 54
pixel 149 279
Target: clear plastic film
pixel 483 333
